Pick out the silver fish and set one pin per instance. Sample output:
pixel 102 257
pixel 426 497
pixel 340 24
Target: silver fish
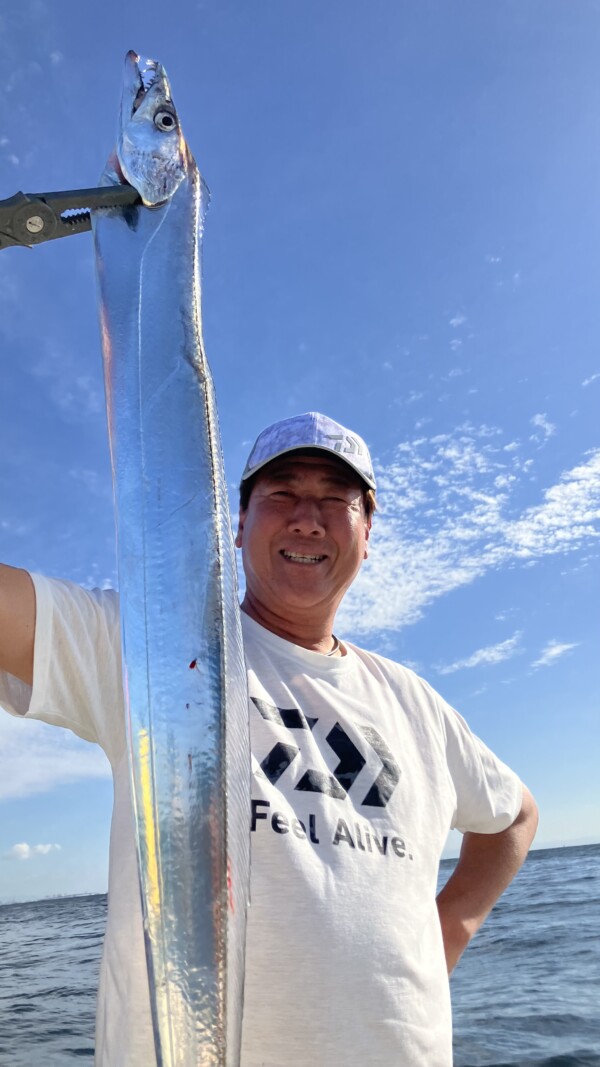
pixel 184 675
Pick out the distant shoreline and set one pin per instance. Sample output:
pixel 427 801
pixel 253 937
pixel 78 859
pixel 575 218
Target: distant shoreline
pixel 533 854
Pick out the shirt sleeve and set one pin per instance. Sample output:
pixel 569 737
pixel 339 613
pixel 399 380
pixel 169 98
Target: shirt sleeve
pixel 77 680
pixel 488 793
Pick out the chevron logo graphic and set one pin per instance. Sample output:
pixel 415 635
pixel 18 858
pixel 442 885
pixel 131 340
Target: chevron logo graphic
pixel 352 446
pixel 338 783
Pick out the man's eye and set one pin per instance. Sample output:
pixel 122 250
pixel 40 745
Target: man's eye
pixel 280 494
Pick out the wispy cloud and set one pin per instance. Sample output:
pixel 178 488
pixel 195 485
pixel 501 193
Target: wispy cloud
pixel 458 320
pixel 553 651
pixel 543 428
pixel 77 395
pixel 592 378
pixel 35 758
pixel 15 527
pixel 491 654
pixel 96 483
pixel 23 851
pixel 448 516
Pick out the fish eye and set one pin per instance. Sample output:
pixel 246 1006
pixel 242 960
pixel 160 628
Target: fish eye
pixel 165 120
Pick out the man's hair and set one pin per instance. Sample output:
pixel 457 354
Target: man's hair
pixel 246 487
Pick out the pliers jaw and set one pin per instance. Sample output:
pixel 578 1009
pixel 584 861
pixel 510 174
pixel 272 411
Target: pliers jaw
pixel 28 219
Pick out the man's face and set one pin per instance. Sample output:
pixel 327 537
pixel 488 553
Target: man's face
pixel 303 535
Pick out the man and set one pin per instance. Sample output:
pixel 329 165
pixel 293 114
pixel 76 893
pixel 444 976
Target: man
pixel 360 769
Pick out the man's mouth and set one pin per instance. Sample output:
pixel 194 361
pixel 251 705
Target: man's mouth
pixel 299 557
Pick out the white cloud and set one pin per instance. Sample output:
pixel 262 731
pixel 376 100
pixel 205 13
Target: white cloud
pixel 458 320
pixel 455 344
pixel 552 652
pixel 592 378
pixel 566 519
pixel 24 851
pixel 543 428
pixel 491 654
pixel 56 58
pixel 448 514
pixel 36 758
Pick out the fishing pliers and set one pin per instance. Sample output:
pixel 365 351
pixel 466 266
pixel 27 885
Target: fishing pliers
pixel 27 219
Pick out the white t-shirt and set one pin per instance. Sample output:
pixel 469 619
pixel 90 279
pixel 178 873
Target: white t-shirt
pixel 360 769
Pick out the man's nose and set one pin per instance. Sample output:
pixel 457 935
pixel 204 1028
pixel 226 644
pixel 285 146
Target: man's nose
pixel 306 518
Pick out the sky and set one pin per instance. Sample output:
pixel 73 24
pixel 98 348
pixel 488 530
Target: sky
pixel 404 233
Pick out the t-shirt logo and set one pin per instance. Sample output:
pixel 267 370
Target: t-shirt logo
pixel 351 760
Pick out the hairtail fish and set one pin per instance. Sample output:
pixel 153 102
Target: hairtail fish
pixel 184 675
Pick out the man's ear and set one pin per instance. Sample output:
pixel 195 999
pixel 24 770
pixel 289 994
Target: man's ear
pixel 367 534
pixel 238 536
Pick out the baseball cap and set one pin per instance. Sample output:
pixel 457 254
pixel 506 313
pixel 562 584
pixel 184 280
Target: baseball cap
pixel 311 430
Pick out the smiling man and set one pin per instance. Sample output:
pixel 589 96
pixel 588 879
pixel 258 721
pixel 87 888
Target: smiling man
pixel 304 526
pixel 359 771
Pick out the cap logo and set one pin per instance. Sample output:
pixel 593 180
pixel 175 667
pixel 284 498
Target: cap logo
pixel 353 446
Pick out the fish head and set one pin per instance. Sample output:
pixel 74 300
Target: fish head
pixel 152 154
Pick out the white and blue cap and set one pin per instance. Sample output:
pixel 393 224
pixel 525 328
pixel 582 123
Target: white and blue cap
pixel 311 430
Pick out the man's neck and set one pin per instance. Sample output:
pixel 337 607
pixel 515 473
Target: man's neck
pixel 317 637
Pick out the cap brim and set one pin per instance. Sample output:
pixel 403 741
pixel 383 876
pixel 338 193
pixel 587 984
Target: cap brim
pixel 249 472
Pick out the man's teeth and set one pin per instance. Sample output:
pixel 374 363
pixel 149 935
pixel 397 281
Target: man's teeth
pixel 297 558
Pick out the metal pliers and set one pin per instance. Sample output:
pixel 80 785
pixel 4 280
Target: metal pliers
pixel 27 219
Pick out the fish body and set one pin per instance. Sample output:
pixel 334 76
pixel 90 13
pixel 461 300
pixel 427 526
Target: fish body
pixel 184 675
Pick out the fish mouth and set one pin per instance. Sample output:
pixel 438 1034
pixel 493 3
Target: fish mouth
pixel 147 71
pixel 143 77
pixel 303 558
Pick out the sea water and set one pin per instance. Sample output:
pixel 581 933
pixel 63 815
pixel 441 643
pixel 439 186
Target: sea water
pixel 525 994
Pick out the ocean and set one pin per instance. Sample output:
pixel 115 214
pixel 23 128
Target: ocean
pixel 525 994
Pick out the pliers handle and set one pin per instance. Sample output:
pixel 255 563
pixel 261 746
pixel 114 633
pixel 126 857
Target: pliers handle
pixel 27 219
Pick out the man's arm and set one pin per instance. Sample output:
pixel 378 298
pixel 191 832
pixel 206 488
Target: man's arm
pixel 487 865
pixel 17 622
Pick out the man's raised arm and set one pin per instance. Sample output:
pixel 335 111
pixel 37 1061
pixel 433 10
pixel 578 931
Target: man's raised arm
pixel 17 622
pixel 487 865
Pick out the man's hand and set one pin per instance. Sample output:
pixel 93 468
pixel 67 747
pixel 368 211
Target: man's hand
pixel 487 865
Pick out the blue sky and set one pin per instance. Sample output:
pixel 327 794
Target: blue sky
pixel 403 233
